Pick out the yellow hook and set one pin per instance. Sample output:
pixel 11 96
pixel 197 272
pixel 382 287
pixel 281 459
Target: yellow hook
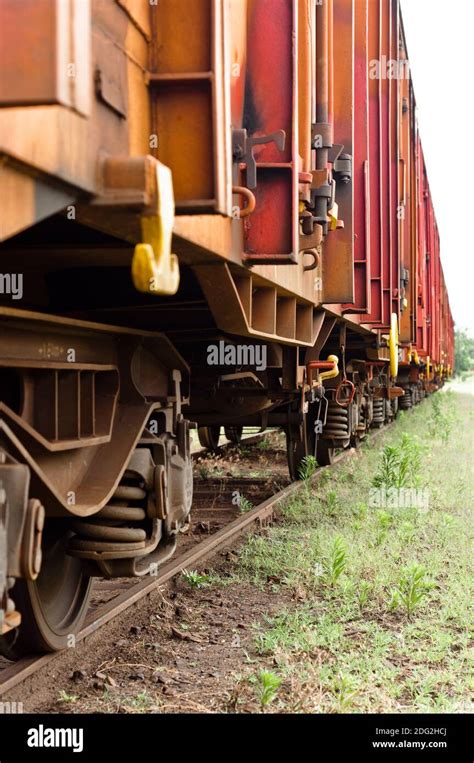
pixel 155 270
pixel 393 345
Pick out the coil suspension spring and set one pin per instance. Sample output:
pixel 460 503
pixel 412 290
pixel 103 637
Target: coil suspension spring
pixel 378 411
pixel 406 400
pixel 116 527
pixel 337 421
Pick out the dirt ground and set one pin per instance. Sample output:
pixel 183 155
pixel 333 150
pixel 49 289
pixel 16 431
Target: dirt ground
pixel 181 650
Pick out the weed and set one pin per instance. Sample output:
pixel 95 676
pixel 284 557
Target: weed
pixel 267 687
pixel 360 511
pixel 67 698
pixel 360 514
pixel 399 464
pixel 384 522
pixel 440 423
pixel 140 703
pixel 244 504
pixel 195 579
pixel 335 564
pixel 363 593
pixel 307 468
pixel 447 524
pixel 332 502
pixel 343 687
pixel 407 532
pixel 413 586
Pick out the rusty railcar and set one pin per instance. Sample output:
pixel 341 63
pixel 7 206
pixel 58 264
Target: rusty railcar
pixel 214 213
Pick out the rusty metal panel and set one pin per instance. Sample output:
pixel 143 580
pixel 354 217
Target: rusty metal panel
pixel 423 289
pixel 385 211
pixel 394 98
pixel 190 105
pixel 431 311
pixel 374 167
pixel 338 254
pixel 380 234
pixel 419 254
pixel 433 317
pixel 413 214
pixel 54 65
pixel 406 108
pixel 306 32
pixel 360 166
pixel 376 163
pixel 269 132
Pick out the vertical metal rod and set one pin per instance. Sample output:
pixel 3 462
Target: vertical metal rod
pixel 322 91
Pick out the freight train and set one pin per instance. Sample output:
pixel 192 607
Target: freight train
pixel 214 213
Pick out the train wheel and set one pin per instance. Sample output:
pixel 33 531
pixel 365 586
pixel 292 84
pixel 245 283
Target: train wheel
pixel 54 605
pixel 234 434
pixel 324 453
pixel 209 437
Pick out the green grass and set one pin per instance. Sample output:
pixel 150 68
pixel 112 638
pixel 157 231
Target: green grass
pixel 383 622
pixel 195 579
pixel 307 468
pixel 264 444
pixel 244 504
pixel 67 698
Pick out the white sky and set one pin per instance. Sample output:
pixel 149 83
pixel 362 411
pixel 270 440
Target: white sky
pixel 440 45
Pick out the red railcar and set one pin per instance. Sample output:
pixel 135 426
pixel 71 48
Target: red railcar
pixel 178 177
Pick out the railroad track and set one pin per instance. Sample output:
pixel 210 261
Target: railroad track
pixel 213 514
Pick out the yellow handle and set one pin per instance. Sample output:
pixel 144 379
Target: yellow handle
pixel 393 345
pixel 154 269
pixel 334 372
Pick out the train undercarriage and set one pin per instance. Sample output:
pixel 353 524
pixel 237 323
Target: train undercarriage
pixel 194 242
pixel 95 419
pixel 95 466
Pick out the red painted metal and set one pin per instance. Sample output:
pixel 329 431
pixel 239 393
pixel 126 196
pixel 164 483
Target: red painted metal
pixel 338 252
pixel 433 321
pixel 271 233
pixel 360 169
pixel 382 163
pixel 397 267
